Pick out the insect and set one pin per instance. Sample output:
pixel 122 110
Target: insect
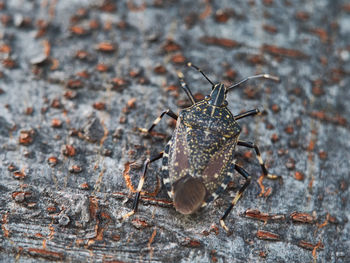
pixel 199 160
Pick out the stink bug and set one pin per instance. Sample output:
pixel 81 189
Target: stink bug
pixel 198 161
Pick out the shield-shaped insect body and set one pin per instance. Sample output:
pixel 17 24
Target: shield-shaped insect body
pixel 198 161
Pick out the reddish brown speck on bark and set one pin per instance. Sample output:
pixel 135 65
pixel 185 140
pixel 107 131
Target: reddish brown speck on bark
pixel 302 217
pixel 106 47
pixel 69 94
pixel 102 67
pixel 221 16
pixel 5 49
pixel 289 129
pixel 29 111
pixel 270 28
pixel 213 256
pixel 256 59
pixel 99 105
pixel 299 176
pixel 321 33
pixel 178 58
pixel 56 123
pixel 19 175
pixel 190 242
pixel 160 69
pixel 11 167
pixel 267 235
pixel 322 154
pixel 56 103
pixel 44 253
pixel 302 15
pixel 222 42
pixel 8 63
pixel 4 225
pixel 140 224
pixel 75 169
pixel 108 6
pixel 256 214
pixel 230 74
pixel 275 108
pixel 284 52
pixel 74 84
pixel 52 160
pixel 84 186
pixel 78 30
pixel 274 137
pixel 82 54
pixel 171 46
pixel 26 137
pixel 69 150
pixel 51 209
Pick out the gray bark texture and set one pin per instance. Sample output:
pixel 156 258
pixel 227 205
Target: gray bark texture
pixel 78 77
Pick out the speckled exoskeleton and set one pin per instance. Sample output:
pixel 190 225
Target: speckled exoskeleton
pixel 198 161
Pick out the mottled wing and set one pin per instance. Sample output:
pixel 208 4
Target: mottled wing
pixel 175 158
pixel 217 173
pixel 179 164
pixel 187 191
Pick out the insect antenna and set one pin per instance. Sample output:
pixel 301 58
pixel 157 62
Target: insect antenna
pixel 185 87
pixel 189 64
pixel 264 76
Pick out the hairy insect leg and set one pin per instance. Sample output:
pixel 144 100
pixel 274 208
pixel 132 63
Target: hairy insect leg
pixel 258 156
pixel 245 174
pixel 156 121
pixel 185 87
pixel 246 114
pixel 140 185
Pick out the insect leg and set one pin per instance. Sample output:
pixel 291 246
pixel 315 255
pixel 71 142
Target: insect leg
pixel 168 112
pixel 140 185
pixel 258 156
pixel 185 87
pixel 246 114
pixel 245 174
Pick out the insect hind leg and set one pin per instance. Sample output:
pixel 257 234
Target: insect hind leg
pixel 140 185
pixel 262 165
pixel 245 174
pixel 258 156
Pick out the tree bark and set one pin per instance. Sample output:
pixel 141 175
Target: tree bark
pixel 78 78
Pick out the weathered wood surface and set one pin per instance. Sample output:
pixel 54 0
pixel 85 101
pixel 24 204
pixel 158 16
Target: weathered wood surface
pixel 52 94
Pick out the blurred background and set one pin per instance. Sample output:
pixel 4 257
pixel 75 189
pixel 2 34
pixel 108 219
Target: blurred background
pixel 78 77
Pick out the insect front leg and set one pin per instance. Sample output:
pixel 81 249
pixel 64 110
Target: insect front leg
pixel 156 121
pixel 245 174
pixel 246 114
pixel 140 185
pixel 258 156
